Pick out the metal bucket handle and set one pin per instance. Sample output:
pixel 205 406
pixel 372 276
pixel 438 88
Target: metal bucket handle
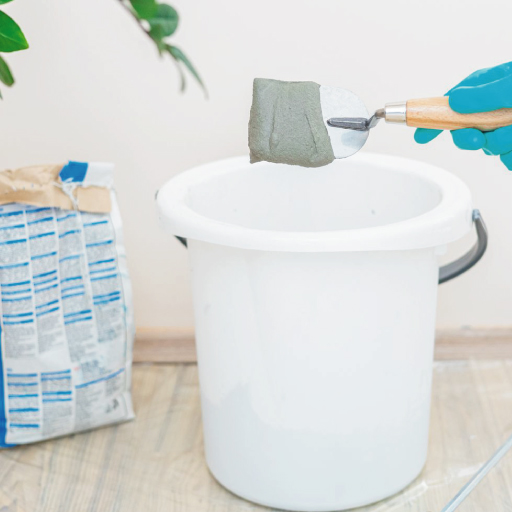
pixel 472 257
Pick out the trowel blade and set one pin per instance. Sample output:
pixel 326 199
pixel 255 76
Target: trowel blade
pixel 339 102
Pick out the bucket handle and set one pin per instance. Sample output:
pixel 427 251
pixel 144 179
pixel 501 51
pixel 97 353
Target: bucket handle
pixel 459 266
pixel 182 240
pixel 472 257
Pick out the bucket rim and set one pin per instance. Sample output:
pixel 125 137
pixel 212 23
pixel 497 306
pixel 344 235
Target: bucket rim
pixel 448 221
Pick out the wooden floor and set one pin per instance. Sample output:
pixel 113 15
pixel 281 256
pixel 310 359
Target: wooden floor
pixel 156 462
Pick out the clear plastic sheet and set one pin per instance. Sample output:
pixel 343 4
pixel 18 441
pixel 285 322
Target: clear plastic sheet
pixel 471 418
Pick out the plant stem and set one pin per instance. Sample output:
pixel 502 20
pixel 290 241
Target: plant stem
pixel 137 19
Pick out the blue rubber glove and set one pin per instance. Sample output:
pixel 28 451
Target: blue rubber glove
pixel 482 91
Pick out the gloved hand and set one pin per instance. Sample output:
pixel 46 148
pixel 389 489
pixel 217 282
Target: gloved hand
pixel 482 91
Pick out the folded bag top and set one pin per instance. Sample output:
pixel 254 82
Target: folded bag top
pixel 75 185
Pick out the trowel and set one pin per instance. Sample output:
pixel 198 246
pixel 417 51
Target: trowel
pixel 307 124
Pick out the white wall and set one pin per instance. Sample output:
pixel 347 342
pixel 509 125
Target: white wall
pixel 92 87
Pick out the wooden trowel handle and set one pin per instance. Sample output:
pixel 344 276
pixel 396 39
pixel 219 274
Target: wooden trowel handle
pixel 436 113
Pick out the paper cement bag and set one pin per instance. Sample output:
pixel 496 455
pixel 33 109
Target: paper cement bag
pixel 66 313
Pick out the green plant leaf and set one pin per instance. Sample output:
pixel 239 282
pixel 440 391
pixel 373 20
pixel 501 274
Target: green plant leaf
pixel 1 97
pixel 164 23
pixel 145 9
pixel 5 73
pixel 5 1
pixel 160 46
pixel 11 36
pixel 179 56
pixel 183 81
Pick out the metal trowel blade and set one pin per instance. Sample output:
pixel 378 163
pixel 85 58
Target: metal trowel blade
pixel 337 102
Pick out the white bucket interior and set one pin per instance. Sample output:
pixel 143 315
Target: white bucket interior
pixel 366 202
pixel 284 198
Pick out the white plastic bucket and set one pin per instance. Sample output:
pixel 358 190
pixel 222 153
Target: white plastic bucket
pixel 315 299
